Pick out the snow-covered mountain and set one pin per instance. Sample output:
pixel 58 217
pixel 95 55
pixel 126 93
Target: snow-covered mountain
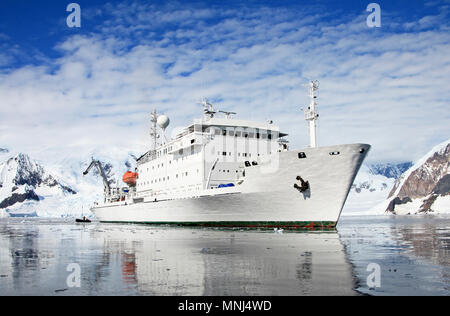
pixel 29 188
pixel 425 187
pixel 371 187
pixel 390 170
pixel 24 182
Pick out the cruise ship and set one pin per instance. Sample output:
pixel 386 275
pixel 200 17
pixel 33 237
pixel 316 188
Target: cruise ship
pixel 222 171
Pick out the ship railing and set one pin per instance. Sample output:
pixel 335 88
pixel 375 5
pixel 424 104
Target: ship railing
pixel 192 139
pixel 184 191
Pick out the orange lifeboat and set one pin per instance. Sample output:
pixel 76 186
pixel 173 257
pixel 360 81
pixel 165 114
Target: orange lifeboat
pixel 130 178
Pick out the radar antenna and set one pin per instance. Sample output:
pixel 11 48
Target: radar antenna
pixel 310 114
pixel 208 108
pixel 228 114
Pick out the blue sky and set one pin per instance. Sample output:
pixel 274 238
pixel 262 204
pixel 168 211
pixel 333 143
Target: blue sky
pixel 63 88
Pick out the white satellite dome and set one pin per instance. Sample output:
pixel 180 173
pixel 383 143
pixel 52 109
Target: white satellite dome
pixel 163 121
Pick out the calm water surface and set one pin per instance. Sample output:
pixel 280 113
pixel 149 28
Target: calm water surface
pixel 122 259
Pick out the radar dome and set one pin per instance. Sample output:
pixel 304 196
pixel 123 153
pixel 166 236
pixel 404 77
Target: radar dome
pixel 163 121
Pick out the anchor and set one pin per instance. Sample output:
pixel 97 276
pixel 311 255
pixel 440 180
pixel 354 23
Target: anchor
pixel 304 185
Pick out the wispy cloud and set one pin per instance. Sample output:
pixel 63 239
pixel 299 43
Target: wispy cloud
pixel 386 86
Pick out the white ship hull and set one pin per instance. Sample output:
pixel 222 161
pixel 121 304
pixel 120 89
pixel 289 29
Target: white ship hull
pixel 266 198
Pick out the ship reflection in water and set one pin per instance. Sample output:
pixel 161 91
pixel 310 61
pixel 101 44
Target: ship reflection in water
pixel 150 260
pixel 120 259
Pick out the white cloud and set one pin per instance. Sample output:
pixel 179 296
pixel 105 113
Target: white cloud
pixel 382 87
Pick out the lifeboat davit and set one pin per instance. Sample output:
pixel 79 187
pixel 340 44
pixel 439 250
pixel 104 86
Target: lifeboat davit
pixel 130 178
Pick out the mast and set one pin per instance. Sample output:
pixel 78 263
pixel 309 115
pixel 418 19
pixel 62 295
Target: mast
pixel 153 130
pixel 310 114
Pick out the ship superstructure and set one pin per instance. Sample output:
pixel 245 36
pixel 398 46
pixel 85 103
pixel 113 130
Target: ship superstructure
pixel 211 152
pixel 225 171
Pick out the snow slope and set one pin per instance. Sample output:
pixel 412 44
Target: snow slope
pixel 368 190
pixel 25 183
pixel 42 197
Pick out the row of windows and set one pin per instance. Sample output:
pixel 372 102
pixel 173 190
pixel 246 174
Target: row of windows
pixel 227 171
pixel 224 153
pixel 158 166
pixel 166 150
pixel 183 174
pixel 170 162
pixel 224 132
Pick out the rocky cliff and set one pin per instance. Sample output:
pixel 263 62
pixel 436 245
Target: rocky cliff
pixel 425 187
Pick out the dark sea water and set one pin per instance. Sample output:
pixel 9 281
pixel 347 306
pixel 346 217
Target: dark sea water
pixel 59 257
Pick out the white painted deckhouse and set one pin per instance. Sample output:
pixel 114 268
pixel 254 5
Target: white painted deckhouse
pixel 224 171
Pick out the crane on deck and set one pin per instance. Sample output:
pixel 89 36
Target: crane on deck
pixel 98 164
